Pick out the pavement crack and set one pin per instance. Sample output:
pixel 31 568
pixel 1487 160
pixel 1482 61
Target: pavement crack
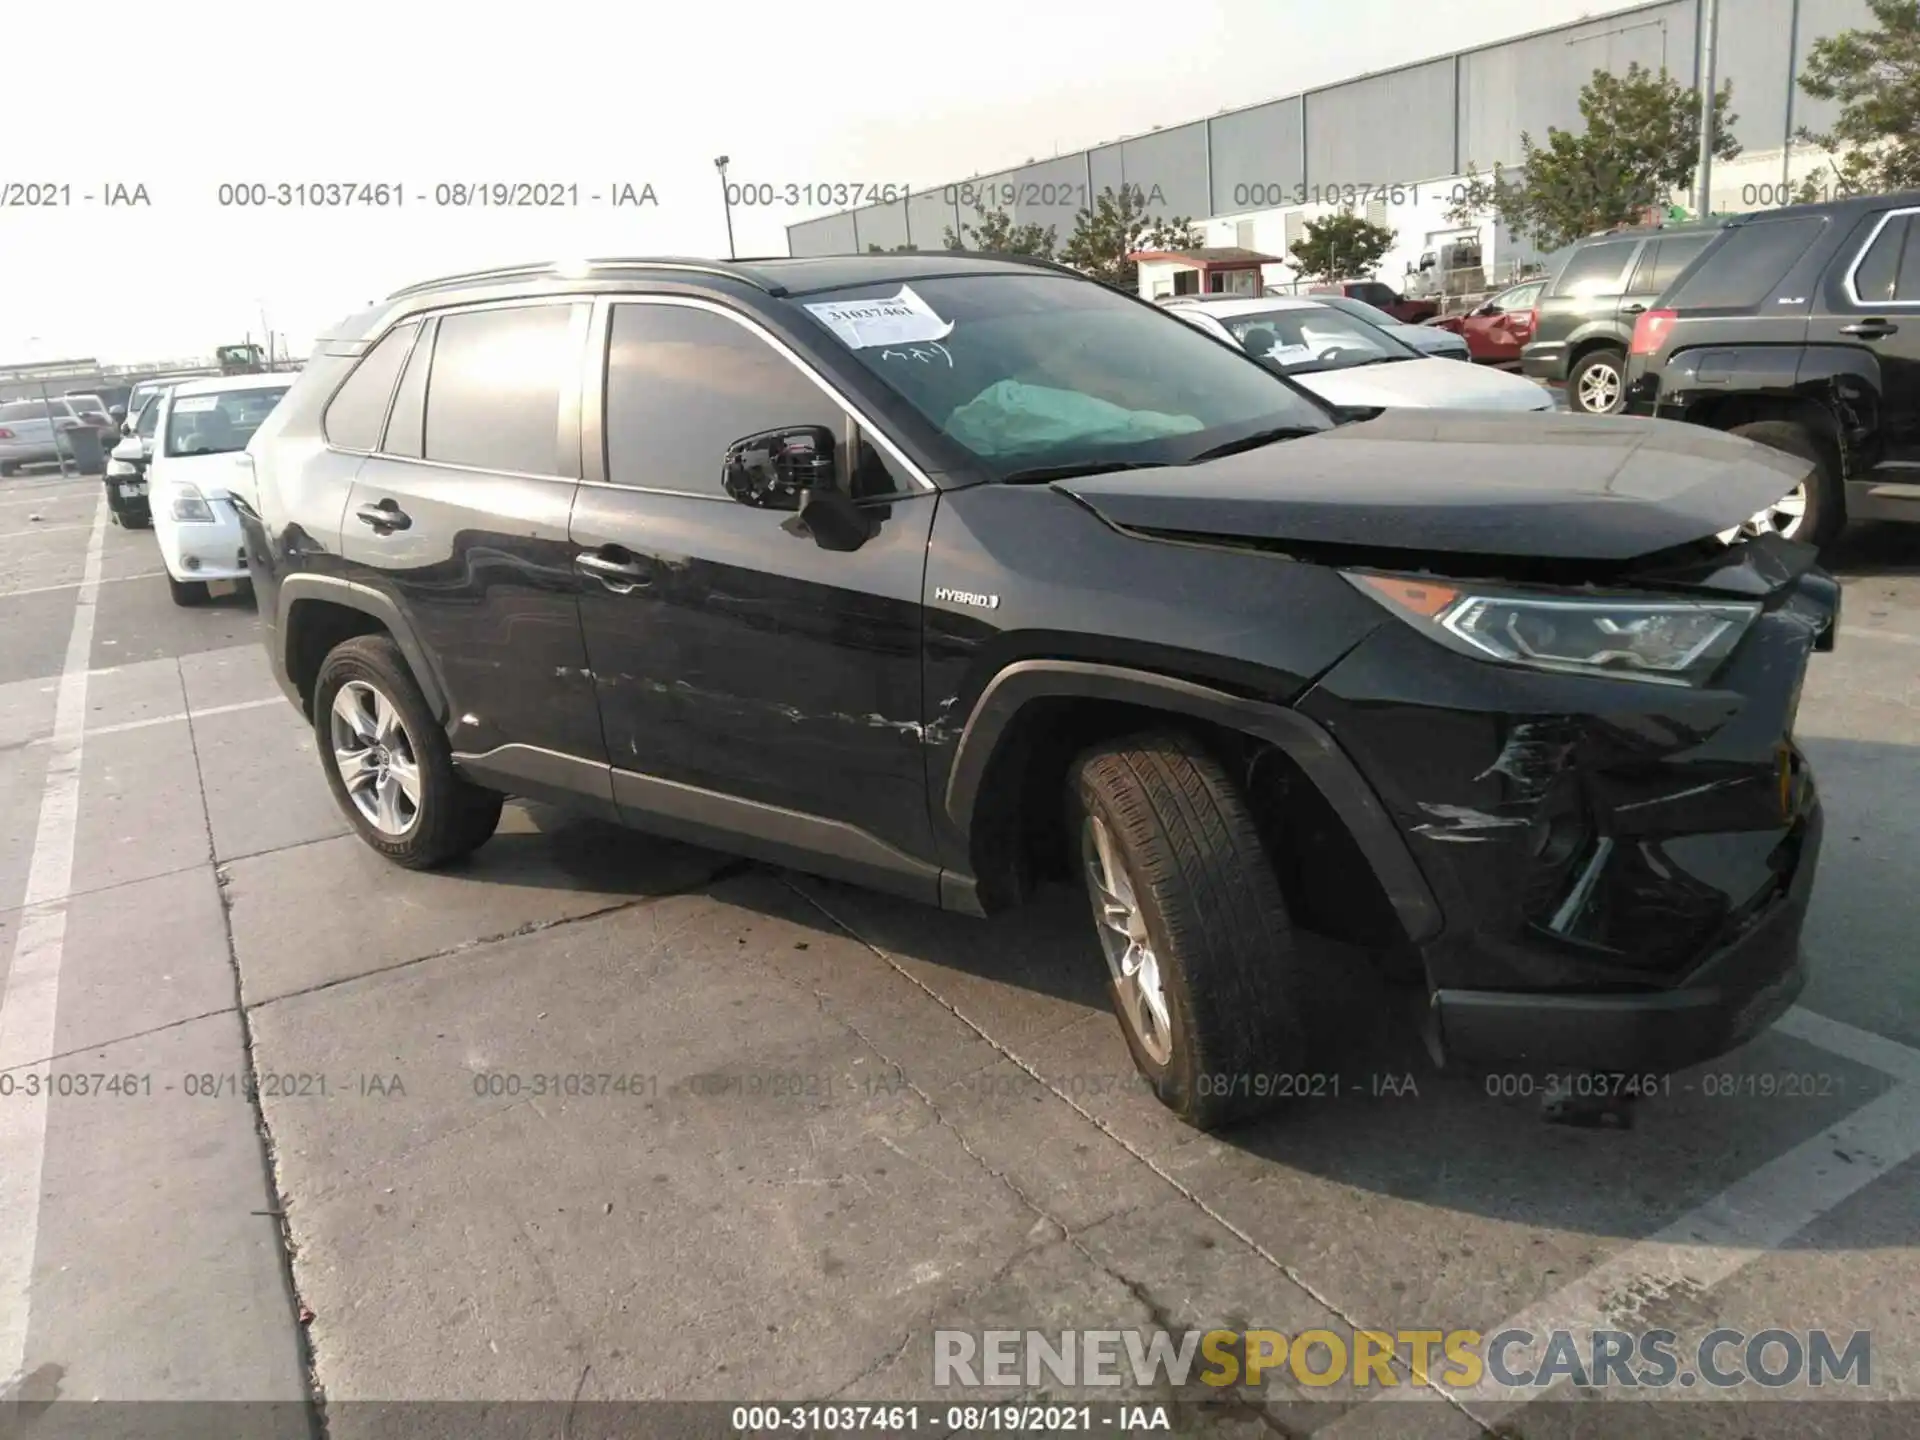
pixel 1186 1193
pixel 119 1039
pixel 298 1311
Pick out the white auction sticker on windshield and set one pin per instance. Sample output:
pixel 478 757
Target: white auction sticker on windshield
pixel 905 319
pixel 1290 354
pixel 194 404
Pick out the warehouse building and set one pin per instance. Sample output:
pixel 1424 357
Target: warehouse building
pixel 1255 175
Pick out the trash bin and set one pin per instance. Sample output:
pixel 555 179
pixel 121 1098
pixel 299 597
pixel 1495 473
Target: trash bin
pixel 89 455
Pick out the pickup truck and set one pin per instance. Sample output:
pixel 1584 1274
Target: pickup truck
pixel 1381 297
pixel 1797 328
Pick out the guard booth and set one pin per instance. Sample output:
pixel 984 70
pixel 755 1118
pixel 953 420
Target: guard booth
pixel 1204 270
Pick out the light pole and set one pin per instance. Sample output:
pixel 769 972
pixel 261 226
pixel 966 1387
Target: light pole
pixel 726 199
pixel 34 344
pixel 1703 178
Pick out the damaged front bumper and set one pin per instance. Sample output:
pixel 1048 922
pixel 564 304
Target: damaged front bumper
pixel 1623 868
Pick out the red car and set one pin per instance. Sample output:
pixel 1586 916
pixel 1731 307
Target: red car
pixel 1498 328
pixel 1381 297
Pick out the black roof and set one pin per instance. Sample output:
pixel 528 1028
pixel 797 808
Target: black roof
pixel 1848 205
pixel 777 275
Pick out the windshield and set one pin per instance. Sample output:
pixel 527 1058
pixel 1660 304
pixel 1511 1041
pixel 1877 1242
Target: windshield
pixel 1030 372
pixel 218 424
pixel 1305 339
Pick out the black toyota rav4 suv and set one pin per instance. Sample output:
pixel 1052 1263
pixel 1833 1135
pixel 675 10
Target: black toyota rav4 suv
pixel 948 574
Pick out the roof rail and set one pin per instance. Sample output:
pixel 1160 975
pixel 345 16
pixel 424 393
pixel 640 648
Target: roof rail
pixel 552 269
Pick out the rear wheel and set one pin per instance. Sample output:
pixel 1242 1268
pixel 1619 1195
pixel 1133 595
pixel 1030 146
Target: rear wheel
pixel 388 762
pixel 1815 510
pixel 1597 385
pixel 187 592
pixel 1213 995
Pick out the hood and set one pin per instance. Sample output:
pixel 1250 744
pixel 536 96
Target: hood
pixel 1427 384
pixel 1552 486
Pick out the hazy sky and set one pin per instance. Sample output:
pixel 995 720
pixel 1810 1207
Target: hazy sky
pixel 599 95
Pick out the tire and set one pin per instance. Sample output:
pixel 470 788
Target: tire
pixel 1603 371
pixel 449 817
pixel 187 592
pixel 1823 498
pixel 1234 987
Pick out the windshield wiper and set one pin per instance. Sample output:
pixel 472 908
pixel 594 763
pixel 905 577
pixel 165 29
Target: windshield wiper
pixel 1380 360
pixel 1253 441
pixel 1040 474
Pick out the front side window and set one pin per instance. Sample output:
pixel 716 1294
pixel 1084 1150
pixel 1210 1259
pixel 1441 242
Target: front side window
pixel 683 384
pixel 1890 269
pixel 218 424
pixel 149 419
pixel 1039 371
pixel 493 395
pixel 1595 269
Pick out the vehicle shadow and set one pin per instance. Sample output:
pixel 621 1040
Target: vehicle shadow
pixel 1398 1125
pixel 1869 548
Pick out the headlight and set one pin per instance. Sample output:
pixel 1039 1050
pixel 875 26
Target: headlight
pixel 190 506
pixel 120 469
pixel 1668 642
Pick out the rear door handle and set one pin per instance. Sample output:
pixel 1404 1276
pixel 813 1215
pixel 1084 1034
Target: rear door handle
pixel 1869 329
pixel 384 515
pixel 620 570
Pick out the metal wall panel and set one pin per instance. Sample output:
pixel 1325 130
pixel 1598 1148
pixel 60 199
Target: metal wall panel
pixel 882 225
pixel 930 216
pixel 1754 47
pixel 829 235
pixel 1108 167
pixel 1818 18
pixel 1373 131
pixel 1534 84
pixel 1172 163
pixel 1256 157
pixel 1051 192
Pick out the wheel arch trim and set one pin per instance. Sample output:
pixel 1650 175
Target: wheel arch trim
pixel 1319 757
pixel 351 595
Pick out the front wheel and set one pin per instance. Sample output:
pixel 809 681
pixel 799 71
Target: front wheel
pixel 388 762
pixel 1213 995
pixel 187 592
pixel 1597 385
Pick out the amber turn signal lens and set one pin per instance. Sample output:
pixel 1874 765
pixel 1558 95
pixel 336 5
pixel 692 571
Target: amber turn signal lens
pixel 1416 595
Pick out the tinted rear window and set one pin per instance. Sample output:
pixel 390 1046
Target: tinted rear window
pixel 1595 269
pixel 1742 270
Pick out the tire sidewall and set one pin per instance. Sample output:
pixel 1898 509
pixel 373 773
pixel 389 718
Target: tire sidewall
pixel 341 667
pixel 1826 500
pixel 1178 1082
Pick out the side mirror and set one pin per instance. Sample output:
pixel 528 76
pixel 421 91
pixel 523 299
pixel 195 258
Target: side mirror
pixel 772 470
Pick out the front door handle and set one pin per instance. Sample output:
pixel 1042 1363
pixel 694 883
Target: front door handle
pixel 384 515
pixel 618 569
pixel 1632 309
pixel 1870 329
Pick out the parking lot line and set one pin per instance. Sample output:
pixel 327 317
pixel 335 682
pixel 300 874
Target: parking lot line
pixel 1850 1042
pixel 77 584
pixel 176 718
pixel 30 1002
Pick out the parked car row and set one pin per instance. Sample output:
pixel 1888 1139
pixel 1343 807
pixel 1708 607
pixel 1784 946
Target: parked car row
pixel 947 574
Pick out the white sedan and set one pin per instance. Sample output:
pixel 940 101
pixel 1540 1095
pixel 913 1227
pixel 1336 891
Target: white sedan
pixel 1347 361
pixel 199 456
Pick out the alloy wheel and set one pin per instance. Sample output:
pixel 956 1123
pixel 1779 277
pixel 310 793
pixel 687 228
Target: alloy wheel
pixel 1786 517
pixel 1599 388
pixel 1124 940
pixel 378 762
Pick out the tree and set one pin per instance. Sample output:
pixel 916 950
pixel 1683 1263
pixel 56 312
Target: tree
pixel 1875 77
pixel 1116 225
pixel 1336 246
pixel 997 233
pixel 893 249
pixel 1640 144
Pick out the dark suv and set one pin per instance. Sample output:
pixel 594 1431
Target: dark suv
pixel 1800 328
pixel 950 574
pixel 1584 319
